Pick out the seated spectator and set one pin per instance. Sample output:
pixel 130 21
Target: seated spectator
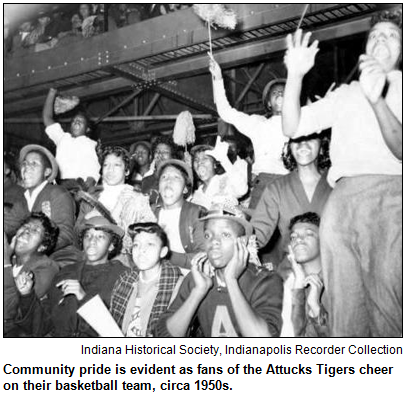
pixel 125 205
pixel 163 149
pixel 75 285
pixel 75 152
pixel 304 189
pixel 21 41
pixel 28 257
pixel 229 297
pixel 214 187
pixel 38 170
pixel 125 14
pixel 141 156
pixel 90 23
pixel 304 297
pixel 178 217
pixel 141 296
pixel 74 34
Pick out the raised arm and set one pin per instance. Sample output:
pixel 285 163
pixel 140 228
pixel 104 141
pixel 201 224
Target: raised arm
pixel 243 122
pixel 373 80
pixel 48 110
pixel 299 59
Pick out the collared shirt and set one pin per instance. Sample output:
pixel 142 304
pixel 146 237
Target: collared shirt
pixel 33 196
pixel 266 134
pixel 357 145
pixel 76 156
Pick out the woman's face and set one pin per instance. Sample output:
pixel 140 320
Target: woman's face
pixel 203 165
pixel 306 151
pixel 162 153
pixel 114 172
pixel 29 237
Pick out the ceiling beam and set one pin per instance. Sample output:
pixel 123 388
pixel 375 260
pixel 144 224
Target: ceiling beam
pixel 159 35
pixel 228 58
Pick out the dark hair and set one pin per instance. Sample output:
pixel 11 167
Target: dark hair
pixel 308 217
pixel 218 169
pixel 116 240
pixel 150 228
pixel 393 16
pixel 188 182
pixel 45 160
pixel 118 152
pixel 164 140
pixel 51 230
pixel 89 123
pixel 323 159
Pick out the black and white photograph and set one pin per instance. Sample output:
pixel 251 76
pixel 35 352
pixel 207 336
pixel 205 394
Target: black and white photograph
pixel 203 171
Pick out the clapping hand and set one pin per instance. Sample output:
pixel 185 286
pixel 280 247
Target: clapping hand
pixel 372 78
pixel 299 57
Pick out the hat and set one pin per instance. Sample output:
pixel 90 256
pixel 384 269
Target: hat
pixel 269 86
pixel 228 211
pixel 143 142
pixel 101 222
pixel 35 147
pixel 179 163
pixel 200 147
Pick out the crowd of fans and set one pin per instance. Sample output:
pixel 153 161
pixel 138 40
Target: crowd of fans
pixel 304 244
pixel 56 27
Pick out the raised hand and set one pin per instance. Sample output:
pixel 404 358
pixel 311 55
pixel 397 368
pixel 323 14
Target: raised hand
pixel 299 57
pixel 220 150
pixel 298 272
pixel 202 274
pixel 372 78
pixel 71 286
pixel 24 282
pixel 214 68
pixel 313 299
pixel 238 262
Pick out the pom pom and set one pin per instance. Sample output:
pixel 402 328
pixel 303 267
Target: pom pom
pixel 63 104
pixel 227 19
pixel 216 14
pixel 184 131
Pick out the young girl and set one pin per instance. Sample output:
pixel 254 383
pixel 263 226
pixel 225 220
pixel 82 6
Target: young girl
pixel 142 295
pixel 178 217
pixel 215 188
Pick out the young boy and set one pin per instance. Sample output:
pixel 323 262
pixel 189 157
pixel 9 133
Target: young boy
pixel 141 296
pixel 75 152
pixel 304 286
pixel 229 297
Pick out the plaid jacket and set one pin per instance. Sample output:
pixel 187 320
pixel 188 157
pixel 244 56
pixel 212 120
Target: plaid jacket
pixel 124 287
